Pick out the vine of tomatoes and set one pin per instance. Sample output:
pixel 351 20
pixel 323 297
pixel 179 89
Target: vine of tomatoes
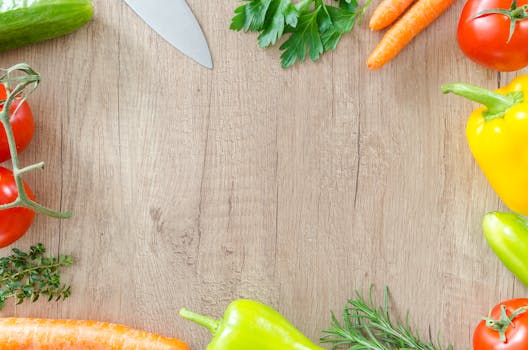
pixel 17 201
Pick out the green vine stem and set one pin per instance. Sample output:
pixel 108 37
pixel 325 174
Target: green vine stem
pixel 503 323
pixel 20 81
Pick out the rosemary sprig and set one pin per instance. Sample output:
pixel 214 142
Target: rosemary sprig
pixel 369 327
pixel 30 275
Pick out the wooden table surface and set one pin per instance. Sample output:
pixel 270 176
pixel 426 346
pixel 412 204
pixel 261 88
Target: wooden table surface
pixel 193 187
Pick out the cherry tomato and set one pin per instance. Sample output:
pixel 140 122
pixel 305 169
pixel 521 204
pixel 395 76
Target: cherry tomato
pixel 14 222
pixel 484 39
pixel 515 334
pixel 23 127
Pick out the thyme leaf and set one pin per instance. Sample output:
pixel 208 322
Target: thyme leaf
pixel 29 275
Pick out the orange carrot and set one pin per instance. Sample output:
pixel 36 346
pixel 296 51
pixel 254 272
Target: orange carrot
pixel 419 16
pixel 387 12
pixel 41 334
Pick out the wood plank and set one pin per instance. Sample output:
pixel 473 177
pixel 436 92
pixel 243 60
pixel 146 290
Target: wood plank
pixel 294 187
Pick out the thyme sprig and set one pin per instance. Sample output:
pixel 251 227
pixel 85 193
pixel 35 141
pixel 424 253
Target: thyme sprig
pixel 27 276
pixel 366 326
pixel 20 81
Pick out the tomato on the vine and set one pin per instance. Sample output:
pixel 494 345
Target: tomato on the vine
pixel 14 222
pixel 23 127
pixel 494 33
pixel 506 328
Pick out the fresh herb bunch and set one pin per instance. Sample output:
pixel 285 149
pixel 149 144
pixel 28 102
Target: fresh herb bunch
pixel 369 327
pixel 30 275
pixel 310 24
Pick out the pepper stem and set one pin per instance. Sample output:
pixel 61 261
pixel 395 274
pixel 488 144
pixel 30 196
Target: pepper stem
pixel 502 324
pixel 497 104
pixel 207 322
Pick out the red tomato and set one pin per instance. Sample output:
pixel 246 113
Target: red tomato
pixel 23 127
pixel 486 338
pixel 485 39
pixel 16 221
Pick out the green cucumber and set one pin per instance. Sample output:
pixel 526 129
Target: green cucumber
pixel 25 22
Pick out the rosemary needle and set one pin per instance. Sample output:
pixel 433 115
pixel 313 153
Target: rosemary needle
pixel 369 327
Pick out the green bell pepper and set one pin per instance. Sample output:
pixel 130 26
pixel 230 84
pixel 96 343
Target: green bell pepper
pixel 249 325
pixel 507 234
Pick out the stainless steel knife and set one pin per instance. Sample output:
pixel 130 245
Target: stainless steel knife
pixel 175 22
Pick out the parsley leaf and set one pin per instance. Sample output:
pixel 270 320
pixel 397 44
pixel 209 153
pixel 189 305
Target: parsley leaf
pixel 251 16
pixel 349 5
pixel 343 20
pixel 282 12
pixel 306 34
pixel 308 25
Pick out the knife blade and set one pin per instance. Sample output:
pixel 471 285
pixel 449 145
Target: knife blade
pixel 175 22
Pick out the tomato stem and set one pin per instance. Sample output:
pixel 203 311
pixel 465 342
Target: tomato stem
pixel 502 324
pixel 15 88
pixel 14 204
pixel 31 167
pixel 514 14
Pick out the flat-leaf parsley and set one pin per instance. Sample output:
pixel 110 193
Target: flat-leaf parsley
pixel 311 26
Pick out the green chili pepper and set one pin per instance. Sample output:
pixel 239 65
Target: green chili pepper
pixel 249 325
pixel 507 234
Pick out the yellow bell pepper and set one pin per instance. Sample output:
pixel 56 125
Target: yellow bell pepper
pixel 498 138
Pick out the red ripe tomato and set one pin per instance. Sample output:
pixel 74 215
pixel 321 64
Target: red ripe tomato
pixel 484 39
pixel 23 127
pixel 488 337
pixel 14 222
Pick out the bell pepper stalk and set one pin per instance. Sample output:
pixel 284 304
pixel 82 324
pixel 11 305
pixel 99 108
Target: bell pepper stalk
pixel 251 325
pixel 507 235
pixel 19 87
pixel 497 134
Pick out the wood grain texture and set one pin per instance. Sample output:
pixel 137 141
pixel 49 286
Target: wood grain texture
pixel 193 187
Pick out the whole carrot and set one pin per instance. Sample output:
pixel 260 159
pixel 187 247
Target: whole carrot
pixel 387 12
pixel 42 334
pixel 419 16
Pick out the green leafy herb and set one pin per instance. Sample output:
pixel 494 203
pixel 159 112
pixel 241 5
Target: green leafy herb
pixel 369 327
pixel 30 275
pixel 310 25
